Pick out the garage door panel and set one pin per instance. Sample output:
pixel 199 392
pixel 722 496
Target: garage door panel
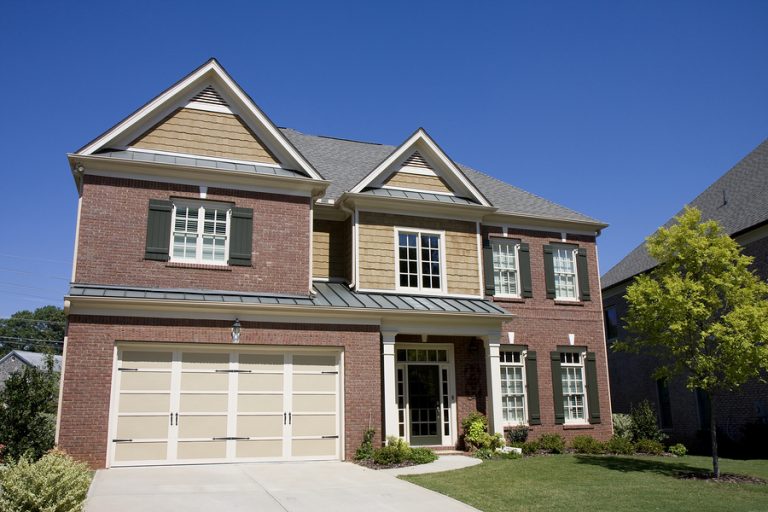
pixel 260 403
pixel 145 381
pixel 259 448
pixel 314 448
pixel 204 381
pixel 146 359
pixel 314 425
pixel 260 382
pixel 129 452
pixel 261 362
pixel 145 402
pixel 260 426
pixel 317 382
pixel 202 450
pixel 202 426
pixel 314 363
pixel 314 403
pixel 143 427
pixel 204 361
pixel 201 402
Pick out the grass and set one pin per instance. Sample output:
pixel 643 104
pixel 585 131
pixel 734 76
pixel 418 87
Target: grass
pixel 594 483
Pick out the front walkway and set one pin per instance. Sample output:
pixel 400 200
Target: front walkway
pixel 267 487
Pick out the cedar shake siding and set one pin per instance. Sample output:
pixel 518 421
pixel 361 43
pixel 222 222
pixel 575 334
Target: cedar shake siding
pixel 113 229
pixel 377 251
pixel 403 179
pixel 330 255
pixel 90 348
pixel 199 132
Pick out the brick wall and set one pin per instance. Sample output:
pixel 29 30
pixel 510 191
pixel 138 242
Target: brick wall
pixel 84 412
pixel 543 324
pixel 112 236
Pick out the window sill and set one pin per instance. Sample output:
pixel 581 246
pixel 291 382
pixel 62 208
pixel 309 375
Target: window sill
pixel 578 426
pixel 569 303
pixel 513 300
pixel 200 266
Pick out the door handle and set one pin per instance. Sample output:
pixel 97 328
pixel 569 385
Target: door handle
pixel 285 418
pixel 171 418
pixel 289 418
pixel 177 419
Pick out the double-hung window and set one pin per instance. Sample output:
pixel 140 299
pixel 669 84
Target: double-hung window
pixel 419 260
pixel 572 375
pixel 513 386
pixel 506 275
pixel 564 263
pixel 200 232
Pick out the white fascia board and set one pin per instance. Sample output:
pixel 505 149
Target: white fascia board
pixel 416 207
pixel 421 136
pixel 542 223
pixel 210 70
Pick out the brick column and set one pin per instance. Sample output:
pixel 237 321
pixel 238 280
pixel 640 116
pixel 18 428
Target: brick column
pixel 493 374
pixel 390 385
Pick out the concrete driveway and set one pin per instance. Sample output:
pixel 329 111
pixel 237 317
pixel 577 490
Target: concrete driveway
pixel 265 487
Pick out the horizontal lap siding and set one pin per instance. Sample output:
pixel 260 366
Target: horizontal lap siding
pixel 377 251
pixel 87 381
pixel 329 249
pixel 113 229
pixel 199 132
pixel 418 182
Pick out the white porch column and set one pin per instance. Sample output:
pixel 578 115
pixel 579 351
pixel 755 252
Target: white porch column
pixel 493 374
pixel 390 385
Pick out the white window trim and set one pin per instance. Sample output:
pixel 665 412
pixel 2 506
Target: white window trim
pixel 574 252
pixel 521 364
pixel 582 364
pixel 518 283
pixel 420 289
pixel 198 260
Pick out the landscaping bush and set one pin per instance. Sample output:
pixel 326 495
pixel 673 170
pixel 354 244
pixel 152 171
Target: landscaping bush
pixel 620 446
pixel 622 425
pixel 552 443
pixel 396 451
pixel 588 445
pixel 474 417
pixel 649 447
pixel 509 455
pixel 422 455
pixel 678 449
pixel 530 447
pixel 476 434
pixel 516 436
pixel 645 424
pixel 484 453
pixel 365 452
pixel 55 483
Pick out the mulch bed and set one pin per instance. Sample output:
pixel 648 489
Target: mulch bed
pixel 726 478
pixel 372 465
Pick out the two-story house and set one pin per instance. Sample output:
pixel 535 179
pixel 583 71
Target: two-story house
pixel 243 292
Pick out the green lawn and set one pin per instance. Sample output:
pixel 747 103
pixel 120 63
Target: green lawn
pixel 593 483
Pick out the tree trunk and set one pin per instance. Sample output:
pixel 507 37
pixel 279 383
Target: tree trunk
pixel 713 436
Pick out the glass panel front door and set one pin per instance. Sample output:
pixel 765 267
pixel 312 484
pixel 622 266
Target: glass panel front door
pixel 424 404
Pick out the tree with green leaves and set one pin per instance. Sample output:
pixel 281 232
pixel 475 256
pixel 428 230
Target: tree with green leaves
pixel 30 330
pixel 701 312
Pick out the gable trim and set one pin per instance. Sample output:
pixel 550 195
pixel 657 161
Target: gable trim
pixel 421 135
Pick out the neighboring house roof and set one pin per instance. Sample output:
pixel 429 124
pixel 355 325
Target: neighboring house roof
pixel 738 201
pixel 346 162
pixel 326 295
pixel 36 359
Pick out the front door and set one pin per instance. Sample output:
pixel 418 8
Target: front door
pixel 424 402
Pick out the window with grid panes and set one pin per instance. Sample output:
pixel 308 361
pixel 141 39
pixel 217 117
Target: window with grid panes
pixel 200 232
pixel 572 375
pixel 564 261
pixel 419 260
pixel 513 386
pixel 505 269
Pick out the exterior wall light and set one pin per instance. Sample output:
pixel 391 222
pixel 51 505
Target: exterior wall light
pixel 236 331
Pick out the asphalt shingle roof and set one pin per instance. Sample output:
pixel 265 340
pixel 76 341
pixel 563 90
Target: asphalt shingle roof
pixel 345 163
pixel 36 359
pixel 738 200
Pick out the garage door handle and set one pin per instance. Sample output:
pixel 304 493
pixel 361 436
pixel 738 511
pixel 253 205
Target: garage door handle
pixel 171 418
pixel 329 437
pixel 285 418
pixel 177 419
pixel 289 418
pixel 122 440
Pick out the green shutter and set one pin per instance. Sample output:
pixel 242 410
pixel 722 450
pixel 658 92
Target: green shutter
pixel 158 230
pixel 241 237
pixel 557 388
pixel 524 260
pixel 549 272
pixel 490 287
pixel 581 269
pixel 532 381
pixel 593 397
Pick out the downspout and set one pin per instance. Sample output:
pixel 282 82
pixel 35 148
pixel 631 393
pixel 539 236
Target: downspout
pixel 353 271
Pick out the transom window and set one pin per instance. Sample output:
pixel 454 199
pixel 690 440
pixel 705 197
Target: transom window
pixel 505 269
pixel 200 232
pixel 572 375
pixel 419 260
pixel 513 386
pixel 564 260
pixel 417 355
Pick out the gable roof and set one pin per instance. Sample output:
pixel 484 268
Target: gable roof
pixel 36 359
pixel 196 87
pixel 738 200
pixel 346 162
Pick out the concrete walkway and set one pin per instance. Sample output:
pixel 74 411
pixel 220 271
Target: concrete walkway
pixel 268 487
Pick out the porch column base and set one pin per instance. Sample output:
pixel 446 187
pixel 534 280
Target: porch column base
pixel 493 374
pixel 391 427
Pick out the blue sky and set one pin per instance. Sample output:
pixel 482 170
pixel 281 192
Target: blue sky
pixel 623 110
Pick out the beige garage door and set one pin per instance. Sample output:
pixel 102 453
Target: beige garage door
pixel 198 405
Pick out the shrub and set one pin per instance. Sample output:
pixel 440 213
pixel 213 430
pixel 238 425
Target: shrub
pixel 474 417
pixel 365 452
pixel 509 455
pixel 649 447
pixel 678 449
pixel 396 451
pixel 28 412
pixel 622 425
pixel 587 444
pixel 517 435
pixel 645 424
pixel 476 434
pixel 530 447
pixel 55 483
pixel 422 455
pixel 484 453
pixel 620 446
pixel 552 443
